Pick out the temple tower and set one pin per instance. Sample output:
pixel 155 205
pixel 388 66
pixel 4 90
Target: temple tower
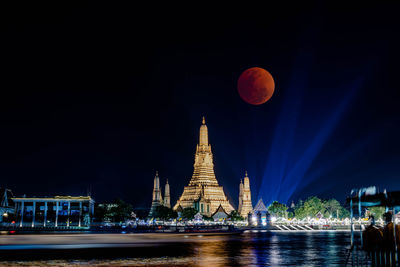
pixel 203 192
pixel 245 205
pixel 167 198
pixel 157 197
pixel 240 195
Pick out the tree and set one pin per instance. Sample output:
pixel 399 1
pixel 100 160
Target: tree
pixel 188 213
pixel 310 208
pixel 377 212
pixel 206 218
pixel 235 216
pixel 99 213
pixel 165 213
pixel 121 211
pixel 299 212
pixel 117 211
pixel 332 208
pixel 141 213
pixel 278 209
pixel 313 205
pixel 344 213
pixel 290 214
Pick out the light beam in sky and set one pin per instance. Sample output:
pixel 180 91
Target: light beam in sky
pixel 281 179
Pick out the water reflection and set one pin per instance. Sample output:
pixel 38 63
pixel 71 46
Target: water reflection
pixel 274 257
pixel 248 249
pixel 273 249
pixel 247 256
pixel 211 253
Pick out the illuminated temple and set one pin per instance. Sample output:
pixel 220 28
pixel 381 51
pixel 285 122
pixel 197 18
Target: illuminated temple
pixel 245 205
pixel 203 192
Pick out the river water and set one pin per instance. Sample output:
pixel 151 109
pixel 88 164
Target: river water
pixel 313 248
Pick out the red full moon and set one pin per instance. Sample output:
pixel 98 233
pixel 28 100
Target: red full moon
pixel 256 86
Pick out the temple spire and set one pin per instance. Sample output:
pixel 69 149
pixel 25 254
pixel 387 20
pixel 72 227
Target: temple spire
pixel 157 197
pixel 203 192
pixel 203 134
pixel 167 198
pixel 245 204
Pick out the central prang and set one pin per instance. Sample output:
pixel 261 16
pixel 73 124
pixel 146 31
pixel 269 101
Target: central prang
pixel 203 192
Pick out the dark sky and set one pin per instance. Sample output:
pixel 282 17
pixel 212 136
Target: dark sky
pixel 103 95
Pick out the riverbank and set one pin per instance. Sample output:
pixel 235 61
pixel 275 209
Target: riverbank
pixel 173 229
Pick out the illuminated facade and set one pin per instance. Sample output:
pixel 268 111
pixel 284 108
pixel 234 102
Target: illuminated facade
pixel 58 211
pixel 158 200
pixel 157 197
pixel 203 192
pixel 260 214
pixel 167 198
pixel 245 205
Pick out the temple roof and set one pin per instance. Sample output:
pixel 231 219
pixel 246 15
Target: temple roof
pixel 53 199
pixel 220 209
pixel 260 206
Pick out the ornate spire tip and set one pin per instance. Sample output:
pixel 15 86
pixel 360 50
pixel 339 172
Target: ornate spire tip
pixel 204 120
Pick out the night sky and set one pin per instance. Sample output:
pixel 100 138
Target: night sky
pixel 101 96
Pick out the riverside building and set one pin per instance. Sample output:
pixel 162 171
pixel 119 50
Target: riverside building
pixel 58 211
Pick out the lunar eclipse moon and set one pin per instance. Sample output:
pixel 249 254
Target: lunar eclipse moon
pixel 256 86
